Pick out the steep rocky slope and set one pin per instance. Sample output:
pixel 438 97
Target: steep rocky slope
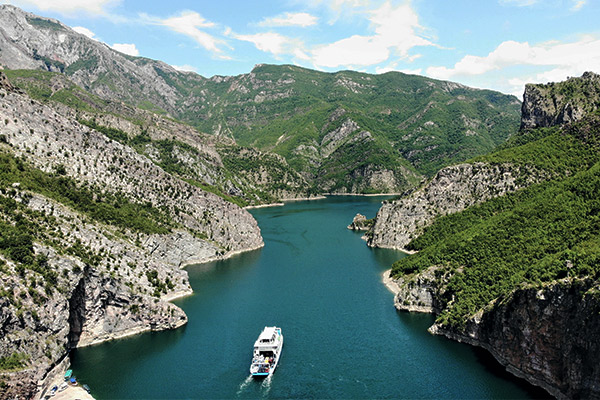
pixel 549 336
pixel 451 190
pixel 239 174
pixel 344 132
pixel 93 237
pixel 518 274
pixel 555 104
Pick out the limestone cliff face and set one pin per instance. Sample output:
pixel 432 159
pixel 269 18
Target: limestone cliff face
pixel 548 336
pixel 558 103
pixel 92 281
pixel 48 139
pixel 87 304
pixel 421 292
pixel 252 176
pixel 451 190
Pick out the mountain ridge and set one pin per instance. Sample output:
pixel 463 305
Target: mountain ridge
pixel 408 126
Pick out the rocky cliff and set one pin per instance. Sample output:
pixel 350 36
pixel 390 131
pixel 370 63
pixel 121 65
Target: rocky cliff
pixel 242 175
pixel 548 336
pixel 93 240
pixel 451 190
pixel 558 103
pixel 517 274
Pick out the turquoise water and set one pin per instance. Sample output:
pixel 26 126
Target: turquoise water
pixel 322 285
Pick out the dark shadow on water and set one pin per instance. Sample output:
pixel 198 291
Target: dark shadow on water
pixel 418 323
pixel 238 261
pixel 490 364
pixel 386 257
pixel 120 355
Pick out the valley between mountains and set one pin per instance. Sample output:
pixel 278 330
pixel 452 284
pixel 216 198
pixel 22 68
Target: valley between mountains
pixel 118 171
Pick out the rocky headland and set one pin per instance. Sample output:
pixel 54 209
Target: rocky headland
pixel 73 276
pixel 544 330
pixel 451 190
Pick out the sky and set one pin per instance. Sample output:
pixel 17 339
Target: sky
pixel 492 44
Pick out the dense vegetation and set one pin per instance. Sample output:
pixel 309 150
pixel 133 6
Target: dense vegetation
pixel 534 236
pixel 430 123
pixel 13 362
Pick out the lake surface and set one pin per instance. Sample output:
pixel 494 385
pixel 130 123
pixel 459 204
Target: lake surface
pixel 343 338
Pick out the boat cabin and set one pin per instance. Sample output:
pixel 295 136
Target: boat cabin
pixel 266 344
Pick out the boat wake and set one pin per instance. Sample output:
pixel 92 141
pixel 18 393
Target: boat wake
pixel 244 385
pixel 266 385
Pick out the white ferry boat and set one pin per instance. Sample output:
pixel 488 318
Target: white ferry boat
pixel 267 350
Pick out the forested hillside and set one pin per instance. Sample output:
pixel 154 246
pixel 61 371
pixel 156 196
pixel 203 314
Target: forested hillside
pixel 519 274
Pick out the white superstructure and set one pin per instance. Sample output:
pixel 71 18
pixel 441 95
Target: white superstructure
pixel 267 350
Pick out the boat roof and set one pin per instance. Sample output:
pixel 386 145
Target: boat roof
pixel 267 333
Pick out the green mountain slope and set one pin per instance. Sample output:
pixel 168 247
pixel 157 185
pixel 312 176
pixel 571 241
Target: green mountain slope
pixel 430 123
pixel 519 274
pixel 315 120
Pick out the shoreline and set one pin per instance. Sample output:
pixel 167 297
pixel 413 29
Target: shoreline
pixel 389 282
pixel 362 194
pixel 402 249
pixel 77 392
pixel 264 206
pixel 318 197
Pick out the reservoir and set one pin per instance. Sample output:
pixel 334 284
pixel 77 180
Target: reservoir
pixel 322 285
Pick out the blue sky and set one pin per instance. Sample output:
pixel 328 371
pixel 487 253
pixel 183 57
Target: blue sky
pixel 496 44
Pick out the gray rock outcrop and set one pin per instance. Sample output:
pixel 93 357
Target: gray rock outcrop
pixel 92 281
pixel 559 103
pixel 451 190
pixel 549 336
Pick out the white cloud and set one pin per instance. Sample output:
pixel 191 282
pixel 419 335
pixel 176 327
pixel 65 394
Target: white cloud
pixel 355 50
pixel 272 42
pixel 84 31
pixel 555 60
pixel 575 56
pixel 519 3
pixel 185 68
pixel 126 48
pixel 395 32
pixel 341 5
pixel 69 7
pixel 290 19
pixel 189 23
pixel 417 71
